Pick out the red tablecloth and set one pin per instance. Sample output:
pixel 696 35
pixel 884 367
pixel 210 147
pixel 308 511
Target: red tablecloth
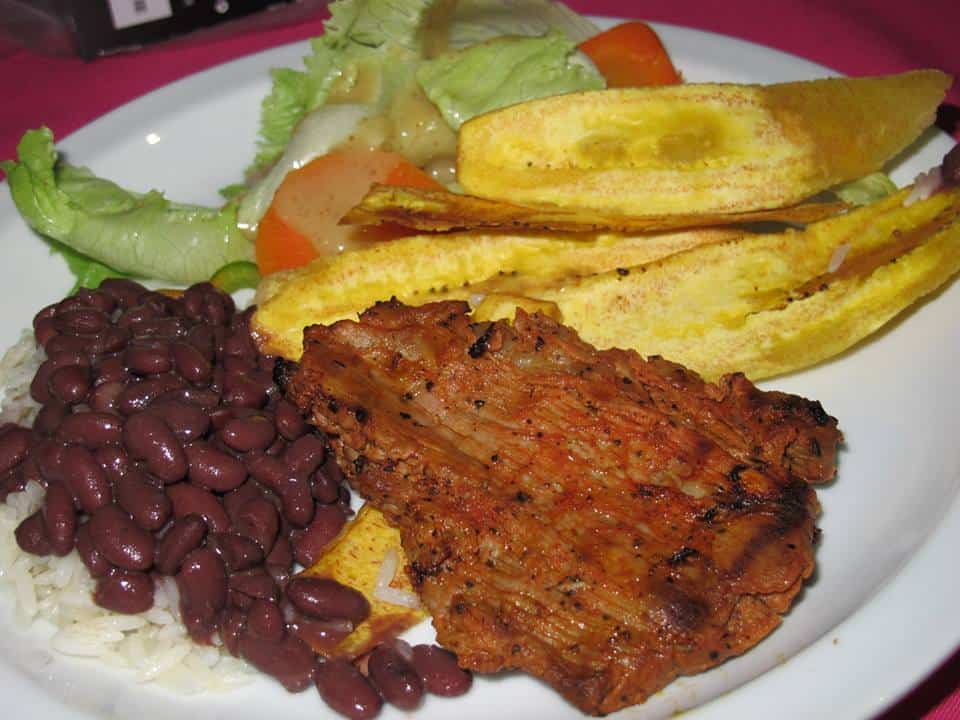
pixel 857 37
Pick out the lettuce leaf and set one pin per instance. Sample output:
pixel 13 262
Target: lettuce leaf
pixel 142 235
pixel 504 71
pixel 384 39
pixel 360 37
pixel 476 21
pixel 866 190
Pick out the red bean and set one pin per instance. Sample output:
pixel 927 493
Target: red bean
pixel 60 519
pixel 188 422
pixel 232 627
pixel 93 429
pixel 190 500
pixel 111 369
pixel 85 479
pixel 280 560
pixel 124 291
pixel 203 398
pixel 40 385
pixel 96 563
pixel 125 592
pixel 326 599
pixel 345 690
pixel 252 584
pixel 67 358
pixel 148 437
pixel 80 321
pixel 168 328
pixel 31 535
pixel 113 460
pixel 297 501
pixel 305 454
pixel 49 455
pixel 186 534
pixel 244 392
pixel 325 488
pixel 138 396
pixel 100 300
pixel 308 543
pixel 439 671
pixel 201 337
pixel 214 469
pixel 269 471
pixel 49 417
pixel 202 582
pixel 14 445
pixel 148 359
pixel 105 398
pixel 395 678
pixel 244 434
pixel 12 481
pixel 70 384
pixel 265 621
pixel 148 505
pixel 44 331
pixel 237 551
pixel 120 539
pixel 290 423
pixel 258 519
pixel 191 363
pixel 111 340
pixel 290 661
pixel 321 635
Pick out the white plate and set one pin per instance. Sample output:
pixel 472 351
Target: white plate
pixel 881 612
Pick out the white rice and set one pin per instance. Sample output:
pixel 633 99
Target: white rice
pixel 151 647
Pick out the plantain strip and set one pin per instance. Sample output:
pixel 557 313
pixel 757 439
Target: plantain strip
pixel 770 304
pixel 440 210
pixel 695 148
pixel 421 268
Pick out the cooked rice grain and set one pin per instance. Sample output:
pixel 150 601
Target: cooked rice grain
pixel 152 646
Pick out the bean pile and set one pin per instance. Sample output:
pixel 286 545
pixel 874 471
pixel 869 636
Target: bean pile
pixel 167 449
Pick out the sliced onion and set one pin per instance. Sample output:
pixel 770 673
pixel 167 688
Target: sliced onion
pixel 382 590
pixel 839 255
pixel 924 186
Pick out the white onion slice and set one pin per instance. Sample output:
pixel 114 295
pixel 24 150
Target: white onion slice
pixel 839 255
pixel 383 591
pixel 924 186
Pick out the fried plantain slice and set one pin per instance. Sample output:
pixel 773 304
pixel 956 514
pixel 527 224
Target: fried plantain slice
pixel 695 148
pixel 420 268
pixel 355 559
pixel 771 304
pixel 441 210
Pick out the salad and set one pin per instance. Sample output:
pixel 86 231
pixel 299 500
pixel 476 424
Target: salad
pixel 379 99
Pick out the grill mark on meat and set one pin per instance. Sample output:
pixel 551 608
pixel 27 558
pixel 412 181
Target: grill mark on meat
pixel 637 523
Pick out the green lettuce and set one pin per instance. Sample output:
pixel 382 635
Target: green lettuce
pixel 384 39
pixel 360 39
pixel 866 190
pixel 504 71
pixel 122 232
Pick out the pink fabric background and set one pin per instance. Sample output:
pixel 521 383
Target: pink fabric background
pixel 857 37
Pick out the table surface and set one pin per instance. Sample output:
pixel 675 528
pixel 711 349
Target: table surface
pixel 856 37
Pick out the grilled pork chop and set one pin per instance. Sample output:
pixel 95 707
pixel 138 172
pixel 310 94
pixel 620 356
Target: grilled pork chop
pixel 598 520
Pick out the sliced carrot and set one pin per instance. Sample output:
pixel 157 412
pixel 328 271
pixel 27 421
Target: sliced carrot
pixel 631 55
pixel 302 222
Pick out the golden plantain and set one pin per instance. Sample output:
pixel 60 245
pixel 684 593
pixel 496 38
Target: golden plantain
pixel 695 148
pixel 440 210
pixel 354 559
pixel 421 268
pixel 769 304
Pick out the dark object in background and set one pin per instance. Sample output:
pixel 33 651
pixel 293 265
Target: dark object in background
pixel 90 28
